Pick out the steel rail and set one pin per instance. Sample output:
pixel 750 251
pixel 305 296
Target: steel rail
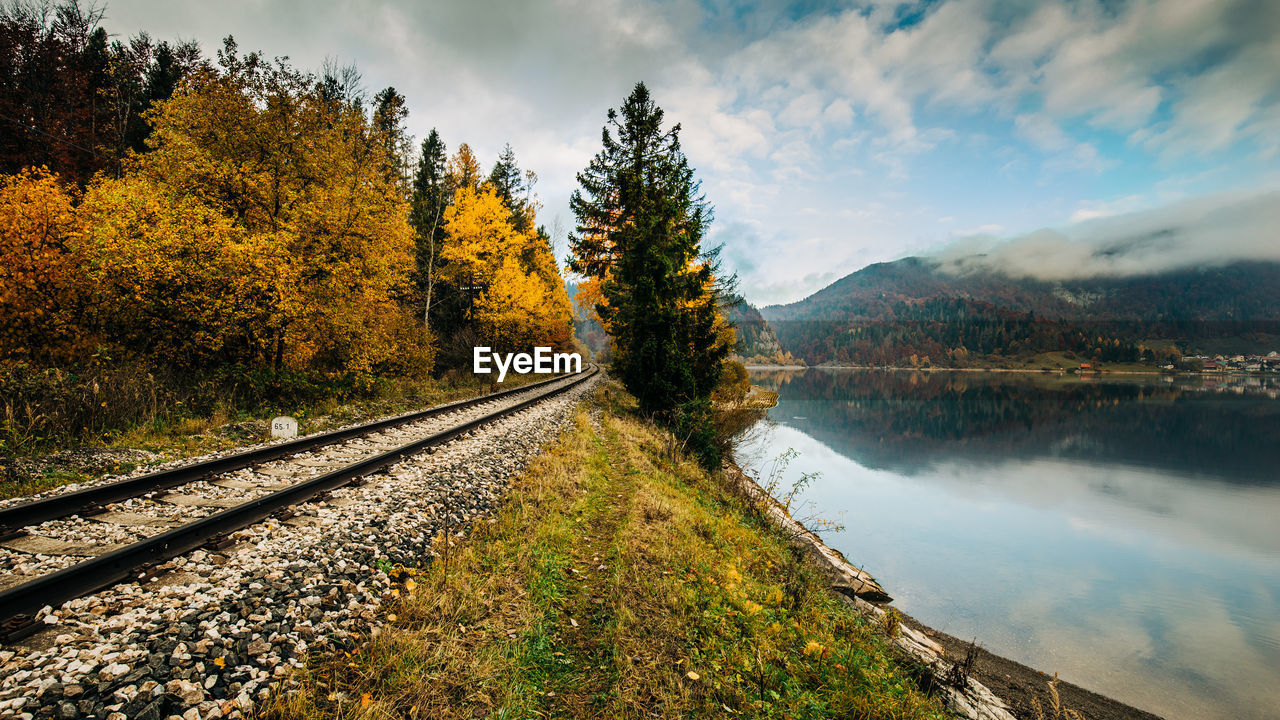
pixel 18 604
pixel 15 517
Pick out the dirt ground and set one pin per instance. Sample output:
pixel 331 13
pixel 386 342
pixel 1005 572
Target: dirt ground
pixel 1017 684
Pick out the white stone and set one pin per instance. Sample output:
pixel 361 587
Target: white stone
pixel 284 427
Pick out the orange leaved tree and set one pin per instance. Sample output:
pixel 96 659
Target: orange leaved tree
pixel 41 288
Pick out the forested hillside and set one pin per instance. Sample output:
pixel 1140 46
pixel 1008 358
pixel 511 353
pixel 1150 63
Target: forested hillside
pixel 912 312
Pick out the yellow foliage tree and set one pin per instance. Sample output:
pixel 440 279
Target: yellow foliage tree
pixel 590 297
pixel 179 281
pixel 300 177
pixel 263 229
pixel 40 292
pixel 520 300
pixel 463 170
pixel 508 311
pixel 480 235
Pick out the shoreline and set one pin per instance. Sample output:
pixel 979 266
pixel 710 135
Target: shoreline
pixel 993 687
pixel 1029 371
pixel 1016 684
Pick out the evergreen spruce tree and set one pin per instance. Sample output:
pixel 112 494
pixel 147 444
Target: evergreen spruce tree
pixel 505 176
pixel 389 114
pixel 513 187
pixel 641 220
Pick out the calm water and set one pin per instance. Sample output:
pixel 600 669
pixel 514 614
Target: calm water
pixel 1125 533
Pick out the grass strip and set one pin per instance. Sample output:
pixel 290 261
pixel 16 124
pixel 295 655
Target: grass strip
pixel 618 580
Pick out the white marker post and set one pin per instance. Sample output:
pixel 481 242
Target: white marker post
pixel 284 427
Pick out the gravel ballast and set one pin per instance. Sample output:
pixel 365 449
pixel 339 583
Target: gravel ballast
pixel 209 634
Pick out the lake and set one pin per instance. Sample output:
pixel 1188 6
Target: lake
pixel 1122 531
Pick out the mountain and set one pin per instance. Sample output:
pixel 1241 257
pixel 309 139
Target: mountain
pixel 889 312
pixel 756 340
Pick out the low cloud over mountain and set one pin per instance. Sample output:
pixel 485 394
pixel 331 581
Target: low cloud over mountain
pixel 1206 231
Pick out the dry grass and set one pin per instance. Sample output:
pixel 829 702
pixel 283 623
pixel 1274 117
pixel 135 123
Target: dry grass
pixel 51 420
pixel 616 582
pixel 1055 705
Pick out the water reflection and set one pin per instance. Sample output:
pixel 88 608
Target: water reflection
pixel 1122 532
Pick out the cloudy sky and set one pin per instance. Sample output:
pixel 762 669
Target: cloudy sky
pixel 833 135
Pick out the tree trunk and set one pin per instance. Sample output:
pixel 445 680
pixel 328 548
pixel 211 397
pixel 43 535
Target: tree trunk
pixel 431 271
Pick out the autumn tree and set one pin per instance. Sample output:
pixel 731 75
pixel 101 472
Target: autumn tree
pixel 178 281
pixel 516 298
pixel 641 219
pixel 41 287
pixel 463 170
pixel 296 167
pixel 519 310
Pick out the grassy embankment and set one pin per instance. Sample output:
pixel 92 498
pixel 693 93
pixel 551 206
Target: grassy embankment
pixel 58 427
pixel 618 580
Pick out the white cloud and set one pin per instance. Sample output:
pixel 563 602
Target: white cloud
pixel 1218 104
pixel 832 110
pixel 1212 230
pixel 1092 210
pixel 1114 66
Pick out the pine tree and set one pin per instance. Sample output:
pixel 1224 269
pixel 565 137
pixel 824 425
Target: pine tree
pixel 641 219
pixel 515 188
pixel 389 114
pixel 505 176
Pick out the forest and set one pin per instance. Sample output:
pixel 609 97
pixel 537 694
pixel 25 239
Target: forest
pixel 912 313
pixel 237 223
pixel 955 332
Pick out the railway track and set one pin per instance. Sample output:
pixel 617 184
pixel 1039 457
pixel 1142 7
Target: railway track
pixel 79 542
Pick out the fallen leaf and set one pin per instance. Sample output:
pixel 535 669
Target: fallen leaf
pixel 692 675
